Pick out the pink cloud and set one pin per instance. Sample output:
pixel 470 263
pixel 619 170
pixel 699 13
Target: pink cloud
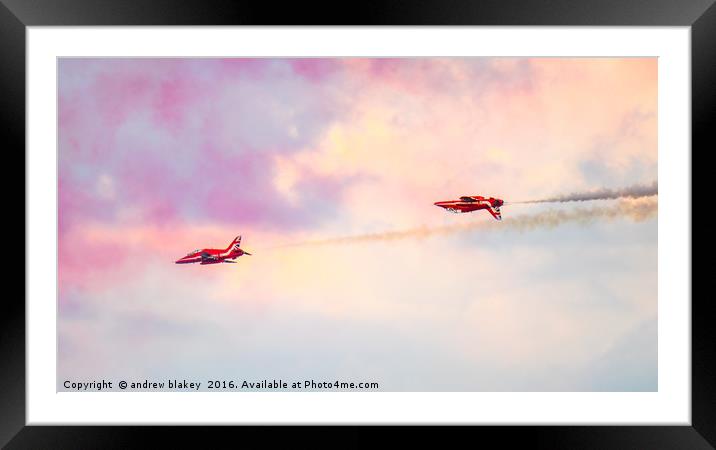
pixel 314 69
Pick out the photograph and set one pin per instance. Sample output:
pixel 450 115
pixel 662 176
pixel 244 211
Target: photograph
pixel 357 224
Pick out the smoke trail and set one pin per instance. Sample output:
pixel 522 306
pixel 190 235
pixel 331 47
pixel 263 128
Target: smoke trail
pixel 637 210
pixel 636 191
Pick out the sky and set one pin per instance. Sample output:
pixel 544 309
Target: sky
pixel 158 157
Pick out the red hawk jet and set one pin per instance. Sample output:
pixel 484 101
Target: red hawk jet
pixel 473 203
pixel 215 255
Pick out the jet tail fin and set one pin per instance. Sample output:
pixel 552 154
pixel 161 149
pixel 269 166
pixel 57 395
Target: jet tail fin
pixel 236 243
pixel 495 211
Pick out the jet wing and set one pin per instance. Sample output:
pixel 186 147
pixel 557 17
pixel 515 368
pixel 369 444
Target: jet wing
pixel 205 256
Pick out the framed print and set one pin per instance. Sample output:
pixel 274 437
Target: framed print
pixel 390 220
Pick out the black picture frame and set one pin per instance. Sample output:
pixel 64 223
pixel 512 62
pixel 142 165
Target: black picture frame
pixel 16 15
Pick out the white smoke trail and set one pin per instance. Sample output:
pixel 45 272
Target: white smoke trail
pixel 635 209
pixel 636 191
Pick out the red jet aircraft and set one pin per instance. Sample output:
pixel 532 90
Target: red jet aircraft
pixel 473 203
pixel 215 255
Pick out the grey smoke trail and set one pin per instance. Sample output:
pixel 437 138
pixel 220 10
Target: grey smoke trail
pixel 636 210
pixel 636 191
